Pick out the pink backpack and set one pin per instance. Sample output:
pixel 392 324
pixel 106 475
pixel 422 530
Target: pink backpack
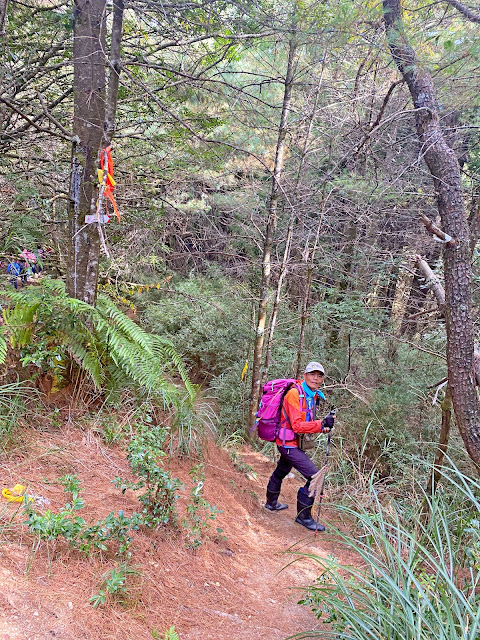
pixel 269 414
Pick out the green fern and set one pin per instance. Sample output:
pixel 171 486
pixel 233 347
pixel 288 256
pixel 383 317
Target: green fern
pixel 103 342
pixel 3 345
pixel 171 634
pixel 165 350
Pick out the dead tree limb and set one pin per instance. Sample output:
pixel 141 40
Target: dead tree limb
pixel 465 11
pixel 436 231
pixel 438 291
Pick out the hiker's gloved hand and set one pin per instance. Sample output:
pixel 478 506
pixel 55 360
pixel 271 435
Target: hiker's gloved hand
pixel 328 423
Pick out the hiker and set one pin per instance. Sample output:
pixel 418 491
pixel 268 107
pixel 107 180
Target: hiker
pixel 14 269
pixel 24 271
pixel 298 417
pixel 39 254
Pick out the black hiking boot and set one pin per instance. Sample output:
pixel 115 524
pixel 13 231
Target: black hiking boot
pixel 272 503
pixel 304 513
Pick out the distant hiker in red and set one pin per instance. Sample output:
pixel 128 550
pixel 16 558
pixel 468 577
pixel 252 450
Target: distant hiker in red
pixel 298 417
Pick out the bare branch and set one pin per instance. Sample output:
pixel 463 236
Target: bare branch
pixel 434 230
pixel 50 116
pixel 187 126
pixel 465 11
pixel 32 122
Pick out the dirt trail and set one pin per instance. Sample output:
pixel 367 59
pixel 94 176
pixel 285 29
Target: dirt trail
pixel 235 589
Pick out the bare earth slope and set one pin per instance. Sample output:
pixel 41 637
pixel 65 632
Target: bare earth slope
pixel 235 589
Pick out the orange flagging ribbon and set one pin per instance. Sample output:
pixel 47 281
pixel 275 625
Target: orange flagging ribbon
pixel 110 182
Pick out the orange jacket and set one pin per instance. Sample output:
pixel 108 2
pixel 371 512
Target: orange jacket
pixel 297 418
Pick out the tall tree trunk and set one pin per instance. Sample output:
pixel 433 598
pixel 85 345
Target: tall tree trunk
pixel 89 45
pixel 310 260
pixel 442 442
pixel 115 66
pixel 443 166
pixel 268 239
pixel 3 17
pixel 401 297
pixel 291 225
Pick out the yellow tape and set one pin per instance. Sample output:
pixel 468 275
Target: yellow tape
pixel 245 368
pixel 15 494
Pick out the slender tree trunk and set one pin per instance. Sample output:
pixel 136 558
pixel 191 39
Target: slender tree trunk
pixel 303 318
pixel 310 260
pixel 267 244
pixel 291 225
pixel 114 73
pixel 401 297
pixel 3 17
pixel 445 170
pixel 89 45
pixel 442 442
pixel 344 284
pixel 278 295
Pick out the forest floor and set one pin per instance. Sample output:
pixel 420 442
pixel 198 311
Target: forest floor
pixel 239 587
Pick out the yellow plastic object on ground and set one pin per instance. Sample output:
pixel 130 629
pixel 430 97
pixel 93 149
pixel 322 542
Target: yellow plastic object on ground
pixel 15 494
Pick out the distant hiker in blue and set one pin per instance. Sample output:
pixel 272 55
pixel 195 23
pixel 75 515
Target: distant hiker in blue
pixel 299 419
pixel 14 269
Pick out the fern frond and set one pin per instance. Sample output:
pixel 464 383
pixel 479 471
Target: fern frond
pixel 88 360
pixel 164 348
pixel 52 285
pixel 83 347
pixel 3 345
pixel 19 322
pixel 108 345
pixel 130 329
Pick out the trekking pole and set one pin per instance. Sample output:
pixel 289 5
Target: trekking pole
pixel 325 464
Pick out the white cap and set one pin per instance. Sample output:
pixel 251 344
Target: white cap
pixel 315 366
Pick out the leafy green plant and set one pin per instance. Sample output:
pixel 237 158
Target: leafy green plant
pixel 170 634
pixel 67 524
pixel 50 525
pixel 71 484
pixel 239 464
pixel 112 431
pixel 199 513
pixel 55 333
pixel 161 488
pixel 416 578
pixel 114 528
pixel 114 584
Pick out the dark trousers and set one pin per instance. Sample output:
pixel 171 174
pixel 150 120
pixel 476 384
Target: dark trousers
pixel 291 458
